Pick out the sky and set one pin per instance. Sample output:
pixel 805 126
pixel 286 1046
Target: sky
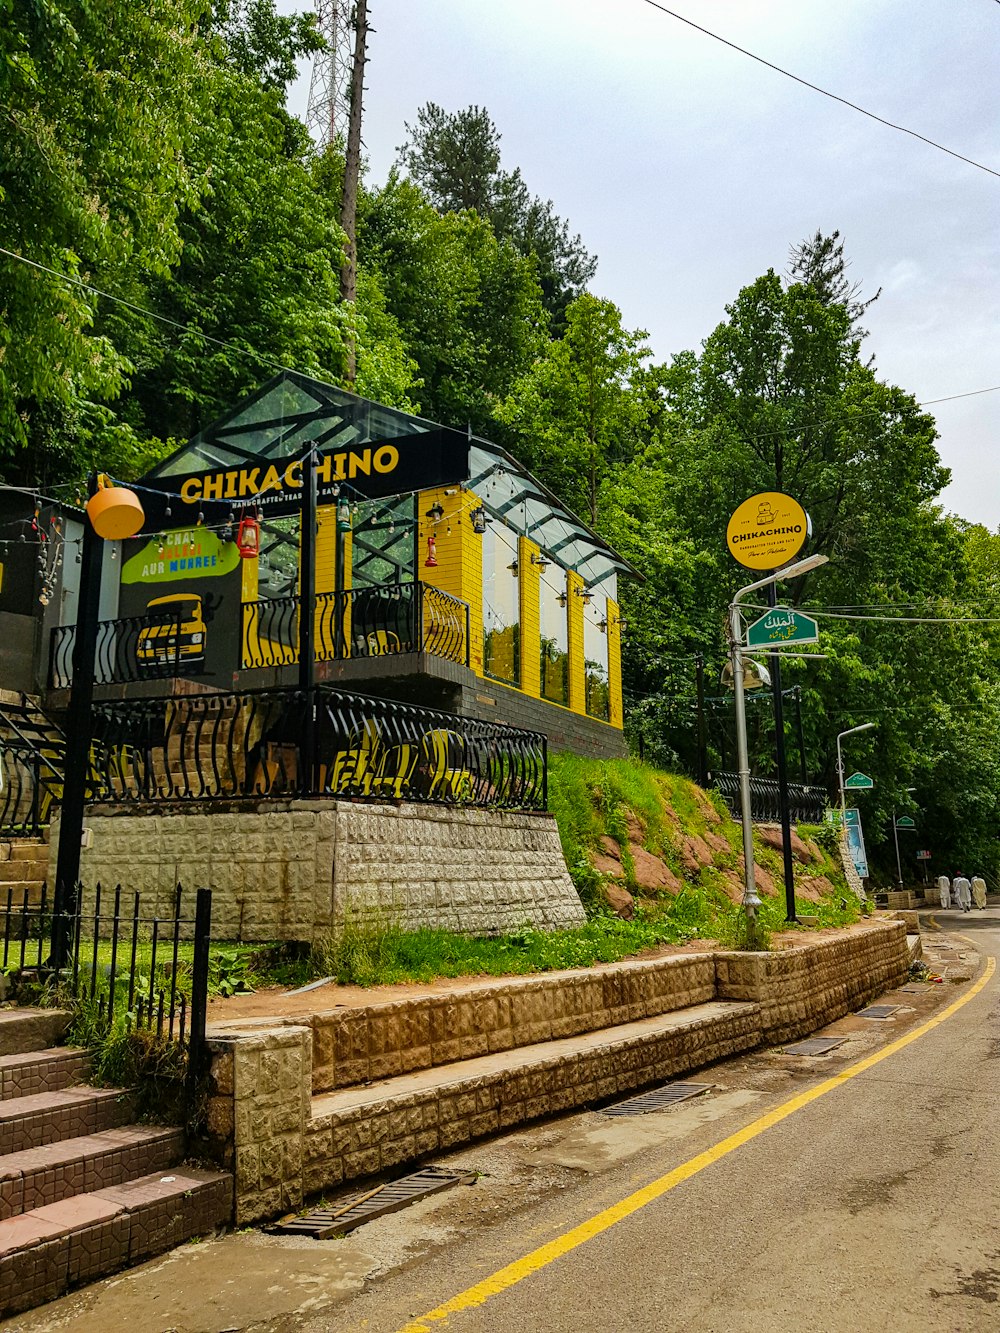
pixel 690 169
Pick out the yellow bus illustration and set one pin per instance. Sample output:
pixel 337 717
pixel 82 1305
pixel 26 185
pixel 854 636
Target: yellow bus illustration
pixel 175 634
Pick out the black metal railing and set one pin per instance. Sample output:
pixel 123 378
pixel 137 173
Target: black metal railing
pixel 148 971
pixel 323 742
pixel 807 805
pixel 133 648
pixel 380 621
pixel 23 795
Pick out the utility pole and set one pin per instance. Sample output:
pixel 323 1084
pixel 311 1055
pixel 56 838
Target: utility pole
pixel 699 667
pixel 352 171
pixel 779 749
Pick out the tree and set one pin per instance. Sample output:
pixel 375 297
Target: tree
pixel 455 159
pixel 819 263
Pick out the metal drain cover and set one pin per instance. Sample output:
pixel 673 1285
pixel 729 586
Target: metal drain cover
pixel 878 1011
pixel 322 1223
pixel 658 1099
pixel 815 1046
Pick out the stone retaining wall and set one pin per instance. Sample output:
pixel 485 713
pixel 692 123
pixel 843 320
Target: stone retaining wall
pixel 264 1124
pixel 292 870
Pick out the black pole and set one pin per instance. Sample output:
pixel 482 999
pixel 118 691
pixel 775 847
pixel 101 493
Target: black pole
pixel 79 738
pixel 802 742
pixel 779 747
pixel 199 996
pixel 307 621
pixel 699 668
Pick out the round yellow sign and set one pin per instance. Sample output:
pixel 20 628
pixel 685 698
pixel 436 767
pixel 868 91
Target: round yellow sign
pixel 767 531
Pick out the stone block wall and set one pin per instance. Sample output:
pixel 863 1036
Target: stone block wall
pixel 293 870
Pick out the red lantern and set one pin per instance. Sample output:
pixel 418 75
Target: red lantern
pixel 248 538
pixel 432 552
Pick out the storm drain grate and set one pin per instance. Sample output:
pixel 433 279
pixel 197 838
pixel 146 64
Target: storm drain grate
pixel 878 1011
pixel 322 1223
pixel 815 1046
pixel 658 1099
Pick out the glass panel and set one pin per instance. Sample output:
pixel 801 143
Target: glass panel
pixel 501 605
pixel 278 562
pixel 385 541
pixel 554 626
pixel 595 658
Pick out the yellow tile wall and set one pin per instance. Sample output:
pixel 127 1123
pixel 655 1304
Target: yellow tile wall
pixel 460 558
pixel 577 678
pixel 615 709
pixel 529 581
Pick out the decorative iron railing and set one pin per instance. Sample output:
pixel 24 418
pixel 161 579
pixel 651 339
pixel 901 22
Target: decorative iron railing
pixel 379 621
pixel 285 743
pixel 806 804
pixel 23 797
pixel 149 647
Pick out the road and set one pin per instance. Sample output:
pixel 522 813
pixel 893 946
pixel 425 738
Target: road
pixel 855 1191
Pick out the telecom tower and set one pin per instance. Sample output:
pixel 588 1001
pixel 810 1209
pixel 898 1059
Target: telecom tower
pixel 330 86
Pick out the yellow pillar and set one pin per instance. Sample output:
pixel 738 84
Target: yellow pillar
pixel 249 620
pixel 529 580
pixel 577 675
pixel 459 569
pixel 615 707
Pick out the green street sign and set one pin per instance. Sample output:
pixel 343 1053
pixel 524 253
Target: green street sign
pixel 904 821
pixel 782 625
pixel 859 782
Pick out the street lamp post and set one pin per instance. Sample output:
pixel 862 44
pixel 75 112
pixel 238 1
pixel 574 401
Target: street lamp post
pixel 865 726
pixel 895 835
pixel 751 900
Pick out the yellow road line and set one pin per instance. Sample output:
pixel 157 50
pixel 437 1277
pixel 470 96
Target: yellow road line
pixel 555 1249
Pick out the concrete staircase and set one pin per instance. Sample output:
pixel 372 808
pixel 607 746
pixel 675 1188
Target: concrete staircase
pixel 24 868
pixel 83 1190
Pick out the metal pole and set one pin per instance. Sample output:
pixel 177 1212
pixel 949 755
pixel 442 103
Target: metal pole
pixel 699 666
pixel 779 749
pixel 798 728
pixel 79 738
pixel 307 621
pixel 840 780
pixel 751 900
pixel 895 834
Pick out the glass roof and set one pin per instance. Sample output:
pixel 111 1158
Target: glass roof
pixel 292 411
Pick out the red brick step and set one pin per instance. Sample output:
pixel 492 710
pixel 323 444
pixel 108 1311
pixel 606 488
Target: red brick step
pixel 49 1117
pixel 52 1070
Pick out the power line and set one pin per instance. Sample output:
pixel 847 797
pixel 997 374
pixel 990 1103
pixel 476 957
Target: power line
pixel 817 89
pixel 971 393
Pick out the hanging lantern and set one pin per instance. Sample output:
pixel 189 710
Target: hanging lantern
pixel 432 552
pixel 436 512
pixel 478 516
pixel 248 537
pixel 343 514
pixel 114 511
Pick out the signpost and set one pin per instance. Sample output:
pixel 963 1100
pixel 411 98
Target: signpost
pixel 859 782
pixel 904 821
pixel 782 625
pixel 855 839
pixel 767 531
pixel 923 856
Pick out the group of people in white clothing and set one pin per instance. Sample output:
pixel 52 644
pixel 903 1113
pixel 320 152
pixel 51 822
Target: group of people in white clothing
pixel 962 892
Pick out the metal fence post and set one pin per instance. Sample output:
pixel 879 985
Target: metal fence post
pixel 199 995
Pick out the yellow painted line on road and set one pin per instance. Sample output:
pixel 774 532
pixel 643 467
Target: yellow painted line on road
pixel 531 1263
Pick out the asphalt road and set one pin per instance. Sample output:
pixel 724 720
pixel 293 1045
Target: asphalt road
pixel 845 1192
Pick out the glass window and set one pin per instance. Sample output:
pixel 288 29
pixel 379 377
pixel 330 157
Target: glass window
pixel 595 658
pixel 554 626
pixel 501 604
pixel 384 548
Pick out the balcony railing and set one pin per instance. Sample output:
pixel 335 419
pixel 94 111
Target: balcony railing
pixel 285 743
pixel 380 621
pixel 131 648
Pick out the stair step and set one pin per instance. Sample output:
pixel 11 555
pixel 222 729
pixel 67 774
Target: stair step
pixel 51 1117
pixel 61 1245
pixel 29 850
pixel 40 1176
pixel 42 1071
pixel 22 869
pixel 23 1030
pixel 376 1127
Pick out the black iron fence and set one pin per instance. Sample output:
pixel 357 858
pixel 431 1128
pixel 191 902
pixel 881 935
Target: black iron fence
pixel 24 798
pixel 322 742
pixel 148 647
pixel 380 621
pixel 118 961
pixel 806 804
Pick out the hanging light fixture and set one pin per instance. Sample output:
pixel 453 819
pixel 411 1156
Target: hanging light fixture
pixel 343 514
pixel 114 511
pixel 562 598
pixel 513 567
pixel 541 561
pixel 478 517
pixel 248 537
pixel 602 625
pixel 436 512
pixel 586 594
pixel 432 558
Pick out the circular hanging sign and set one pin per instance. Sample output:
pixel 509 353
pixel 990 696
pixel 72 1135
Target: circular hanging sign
pixel 767 531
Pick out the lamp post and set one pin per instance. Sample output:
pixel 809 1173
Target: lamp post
pixel 751 900
pixel 895 835
pixel 865 726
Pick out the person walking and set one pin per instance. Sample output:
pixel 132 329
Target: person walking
pixel 979 892
pixel 962 893
pixel 944 890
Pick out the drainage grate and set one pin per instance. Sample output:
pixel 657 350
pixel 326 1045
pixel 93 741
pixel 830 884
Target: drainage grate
pixel 878 1011
pixel 815 1046
pixel 322 1223
pixel 658 1099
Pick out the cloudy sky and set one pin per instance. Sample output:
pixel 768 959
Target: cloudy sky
pixel 690 169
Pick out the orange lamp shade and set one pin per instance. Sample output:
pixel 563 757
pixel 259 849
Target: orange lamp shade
pixel 115 513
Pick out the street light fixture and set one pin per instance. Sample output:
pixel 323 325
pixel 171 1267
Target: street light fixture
pixel 865 726
pixel 751 900
pixel 895 834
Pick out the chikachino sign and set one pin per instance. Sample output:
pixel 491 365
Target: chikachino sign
pixel 371 471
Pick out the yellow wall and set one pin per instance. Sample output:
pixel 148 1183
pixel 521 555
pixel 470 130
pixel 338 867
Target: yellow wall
pixel 616 716
pixel 577 677
pixel 529 581
pixel 460 558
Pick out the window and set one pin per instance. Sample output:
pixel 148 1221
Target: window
pixel 554 626
pixel 595 658
pixel 501 604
